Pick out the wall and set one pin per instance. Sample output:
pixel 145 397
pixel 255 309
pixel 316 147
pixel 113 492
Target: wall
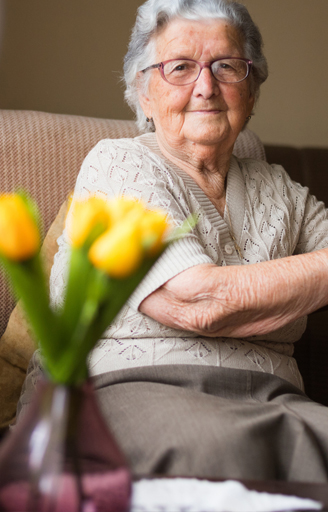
pixel 293 107
pixel 66 56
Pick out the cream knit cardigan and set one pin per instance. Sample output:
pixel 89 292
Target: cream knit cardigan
pixel 272 217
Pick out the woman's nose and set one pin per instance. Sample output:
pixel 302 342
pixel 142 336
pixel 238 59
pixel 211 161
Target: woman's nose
pixel 206 85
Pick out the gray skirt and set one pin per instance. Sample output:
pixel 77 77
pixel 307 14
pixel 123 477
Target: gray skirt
pixel 209 422
pixel 215 422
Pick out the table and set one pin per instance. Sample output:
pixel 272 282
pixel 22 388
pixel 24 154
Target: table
pixel 314 491
pixel 318 492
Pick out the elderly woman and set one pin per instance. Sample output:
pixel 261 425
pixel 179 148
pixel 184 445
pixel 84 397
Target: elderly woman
pixel 196 375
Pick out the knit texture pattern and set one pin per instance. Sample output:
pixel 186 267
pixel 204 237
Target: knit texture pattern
pixel 272 217
pixel 42 153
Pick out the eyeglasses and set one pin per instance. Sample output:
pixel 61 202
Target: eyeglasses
pixel 186 71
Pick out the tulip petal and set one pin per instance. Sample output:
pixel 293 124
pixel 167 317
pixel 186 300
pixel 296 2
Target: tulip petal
pixel 118 252
pixel 88 220
pixel 20 238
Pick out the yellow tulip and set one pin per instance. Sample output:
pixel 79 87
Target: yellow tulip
pixel 87 217
pixel 19 234
pixel 118 251
pixel 153 227
pixel 126 233
pixel 121 206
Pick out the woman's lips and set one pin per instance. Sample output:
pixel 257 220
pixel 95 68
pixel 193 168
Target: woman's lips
pixel 206 111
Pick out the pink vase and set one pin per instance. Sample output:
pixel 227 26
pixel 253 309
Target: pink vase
pixel 61 457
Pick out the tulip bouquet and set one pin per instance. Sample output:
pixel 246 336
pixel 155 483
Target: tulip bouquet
pixel 61 455
pixel 113 245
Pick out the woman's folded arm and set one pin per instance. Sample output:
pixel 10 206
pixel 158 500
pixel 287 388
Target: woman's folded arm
pixel 241 301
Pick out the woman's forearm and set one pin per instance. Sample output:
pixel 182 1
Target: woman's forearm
pixel 242 300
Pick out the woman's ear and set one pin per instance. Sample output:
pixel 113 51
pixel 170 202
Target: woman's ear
pixel 143 96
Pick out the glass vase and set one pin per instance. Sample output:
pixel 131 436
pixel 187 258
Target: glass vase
pixel 61 456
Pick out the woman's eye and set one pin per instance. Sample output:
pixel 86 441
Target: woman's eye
pixel 183 67
pixel 180 67
pixel 224 65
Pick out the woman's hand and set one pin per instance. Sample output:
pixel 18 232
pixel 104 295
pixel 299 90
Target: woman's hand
pixel 241 301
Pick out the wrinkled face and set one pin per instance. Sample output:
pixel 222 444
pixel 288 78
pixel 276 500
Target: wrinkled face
pixel 205 112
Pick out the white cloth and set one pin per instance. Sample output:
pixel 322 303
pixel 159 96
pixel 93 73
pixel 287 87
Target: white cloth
pixel 192 495
pixel 272 217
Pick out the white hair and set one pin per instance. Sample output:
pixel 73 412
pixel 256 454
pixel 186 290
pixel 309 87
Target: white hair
pixel 154 15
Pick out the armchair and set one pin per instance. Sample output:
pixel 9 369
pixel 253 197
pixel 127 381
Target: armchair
pixel 42 153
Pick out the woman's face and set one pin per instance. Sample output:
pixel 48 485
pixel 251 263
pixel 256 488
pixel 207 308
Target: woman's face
pixel 206 112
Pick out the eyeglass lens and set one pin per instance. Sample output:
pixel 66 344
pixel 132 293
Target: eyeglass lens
pixel 182 72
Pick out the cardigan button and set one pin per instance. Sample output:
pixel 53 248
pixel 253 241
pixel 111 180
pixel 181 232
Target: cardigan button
pixel 229 249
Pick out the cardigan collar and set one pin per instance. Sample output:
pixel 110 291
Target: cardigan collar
pixel 235 198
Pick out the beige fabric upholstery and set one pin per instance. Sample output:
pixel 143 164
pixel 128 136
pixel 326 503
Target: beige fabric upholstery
pixel 43 153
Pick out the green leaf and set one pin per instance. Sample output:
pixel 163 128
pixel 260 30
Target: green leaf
pixel 186 227
pixel 30 286
pixel 80 270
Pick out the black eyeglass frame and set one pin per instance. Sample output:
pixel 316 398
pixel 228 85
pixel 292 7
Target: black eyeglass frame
pixel 207 64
